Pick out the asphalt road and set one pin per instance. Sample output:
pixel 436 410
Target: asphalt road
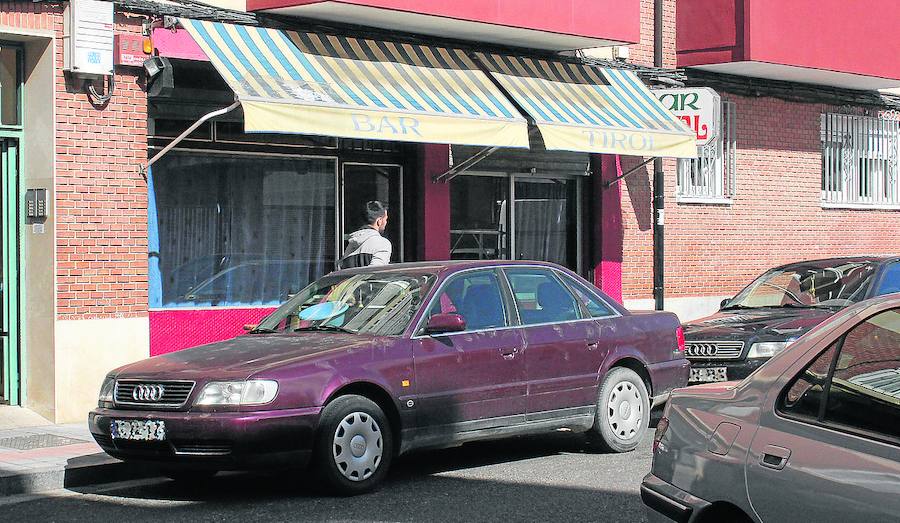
pixel 547 478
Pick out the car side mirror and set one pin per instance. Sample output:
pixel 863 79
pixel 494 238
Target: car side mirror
pixel 724 303
pixel 443 323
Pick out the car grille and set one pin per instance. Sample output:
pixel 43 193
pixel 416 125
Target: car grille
pixel 713 350
pixel 153 394
pixel 202 448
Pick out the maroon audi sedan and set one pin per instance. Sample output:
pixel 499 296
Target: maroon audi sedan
pixel 366 364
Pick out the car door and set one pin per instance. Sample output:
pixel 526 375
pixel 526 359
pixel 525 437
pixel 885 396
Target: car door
pixel 828 445
pixel 473 379
pixel 562 342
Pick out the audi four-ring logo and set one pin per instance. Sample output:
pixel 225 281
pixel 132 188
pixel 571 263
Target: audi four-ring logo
pixel 701 350
pixel 148 393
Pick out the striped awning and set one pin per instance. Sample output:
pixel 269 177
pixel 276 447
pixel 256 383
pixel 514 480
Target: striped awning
pixel 308 83
pixel 578 107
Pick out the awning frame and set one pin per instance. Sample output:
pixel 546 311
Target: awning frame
pixel 463 166
pixel 178 139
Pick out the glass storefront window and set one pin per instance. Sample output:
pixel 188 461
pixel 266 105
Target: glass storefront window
pixel 544 228
pixel 237 229
pixel 10 80
pixel 479 218
pixel 545 225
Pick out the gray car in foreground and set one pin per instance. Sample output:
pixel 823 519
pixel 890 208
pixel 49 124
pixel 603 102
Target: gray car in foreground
pixel 813 435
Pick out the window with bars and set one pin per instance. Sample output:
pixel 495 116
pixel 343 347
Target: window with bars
pixel 710 178
pixel 860 161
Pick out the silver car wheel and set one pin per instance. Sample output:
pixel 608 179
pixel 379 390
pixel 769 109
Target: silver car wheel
pixel 624 410
pixel 357 446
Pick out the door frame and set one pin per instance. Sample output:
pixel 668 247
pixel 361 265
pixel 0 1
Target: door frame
pixel 512 178
pixel 13 218
pixel 396 210
pixel 10 318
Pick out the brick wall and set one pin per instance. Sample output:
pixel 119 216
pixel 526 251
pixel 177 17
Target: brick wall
pixel 776 216
pixel 101 199
pixel 637 253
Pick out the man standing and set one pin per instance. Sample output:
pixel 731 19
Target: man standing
pixel 367 247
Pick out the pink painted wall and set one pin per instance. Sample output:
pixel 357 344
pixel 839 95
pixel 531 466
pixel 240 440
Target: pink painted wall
pixel 837 35
pixel 434 204
pixel 176 44
pixel 176 329
pixel 608 19
pixel 608 233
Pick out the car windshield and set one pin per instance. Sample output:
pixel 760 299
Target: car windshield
pixel 381 303
pixel 807 286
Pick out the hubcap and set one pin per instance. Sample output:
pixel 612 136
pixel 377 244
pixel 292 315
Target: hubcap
pixel 624 410
pixel 357 447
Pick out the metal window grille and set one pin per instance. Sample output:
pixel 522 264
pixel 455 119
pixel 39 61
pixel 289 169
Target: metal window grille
pixel 711 176
pixel 860 161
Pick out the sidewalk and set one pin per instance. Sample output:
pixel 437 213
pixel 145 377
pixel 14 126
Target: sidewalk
pixel 36 456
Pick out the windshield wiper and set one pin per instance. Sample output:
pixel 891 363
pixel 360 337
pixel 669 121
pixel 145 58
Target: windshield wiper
pixel 736 306
pixel 261 331
pixel 791 306
pixel 326 328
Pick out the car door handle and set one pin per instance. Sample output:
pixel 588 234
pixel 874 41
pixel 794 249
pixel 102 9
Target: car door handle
pixel 593 345
pixel 774 457
pixel 509 353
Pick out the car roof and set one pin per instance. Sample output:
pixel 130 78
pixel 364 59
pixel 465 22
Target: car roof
pixel 437 267
pixel 831 262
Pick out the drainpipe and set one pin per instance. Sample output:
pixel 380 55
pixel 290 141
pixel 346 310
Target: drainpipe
pixel 659 201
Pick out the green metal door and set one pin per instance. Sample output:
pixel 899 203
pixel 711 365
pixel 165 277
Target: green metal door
pixel 9 271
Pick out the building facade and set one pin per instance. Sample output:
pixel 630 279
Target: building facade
pixel 125 262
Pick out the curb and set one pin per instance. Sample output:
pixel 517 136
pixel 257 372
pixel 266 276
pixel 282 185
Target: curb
pixel 80 472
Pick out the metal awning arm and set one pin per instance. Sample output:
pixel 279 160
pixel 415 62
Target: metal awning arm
pixel 468 163
pixel 203 119
pixel 617 179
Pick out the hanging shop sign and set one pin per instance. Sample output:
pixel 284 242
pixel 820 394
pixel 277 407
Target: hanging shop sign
pixel 698 107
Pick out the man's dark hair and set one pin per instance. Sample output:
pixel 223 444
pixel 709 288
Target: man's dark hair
pixel 373 211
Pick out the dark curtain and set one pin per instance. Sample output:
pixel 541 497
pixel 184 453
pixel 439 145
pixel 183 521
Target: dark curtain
pixel 242 230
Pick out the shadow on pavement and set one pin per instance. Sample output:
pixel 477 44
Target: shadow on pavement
pixel 522 479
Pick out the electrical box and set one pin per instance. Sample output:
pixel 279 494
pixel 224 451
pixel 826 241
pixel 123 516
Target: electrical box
pixel 130 50
pixel 36 203
pixel 88 37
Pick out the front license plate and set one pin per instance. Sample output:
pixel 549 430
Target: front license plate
pixel 138 430
pixel 708 374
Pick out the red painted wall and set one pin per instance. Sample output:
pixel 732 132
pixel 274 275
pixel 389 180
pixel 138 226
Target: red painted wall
pixel 837 35
pixel 176 329
pixel 609 19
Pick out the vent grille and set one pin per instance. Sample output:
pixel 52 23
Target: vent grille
pixel 157 394
pixel 203 448
pixel 713 350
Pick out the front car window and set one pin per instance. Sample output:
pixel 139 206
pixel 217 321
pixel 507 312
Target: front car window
pixel 541 297
pixel 476 296
pixel 855 384
pixel 836 285
pixel 381 303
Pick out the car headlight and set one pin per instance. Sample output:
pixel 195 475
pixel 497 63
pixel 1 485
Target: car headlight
pixel 252 392
pixel 767 349
pixel 107 391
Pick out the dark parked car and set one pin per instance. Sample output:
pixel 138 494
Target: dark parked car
pixel 814 435
pixel 367 363
pixel 779 307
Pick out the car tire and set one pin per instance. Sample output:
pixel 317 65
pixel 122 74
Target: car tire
pixel 623 411
pixel 354 445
